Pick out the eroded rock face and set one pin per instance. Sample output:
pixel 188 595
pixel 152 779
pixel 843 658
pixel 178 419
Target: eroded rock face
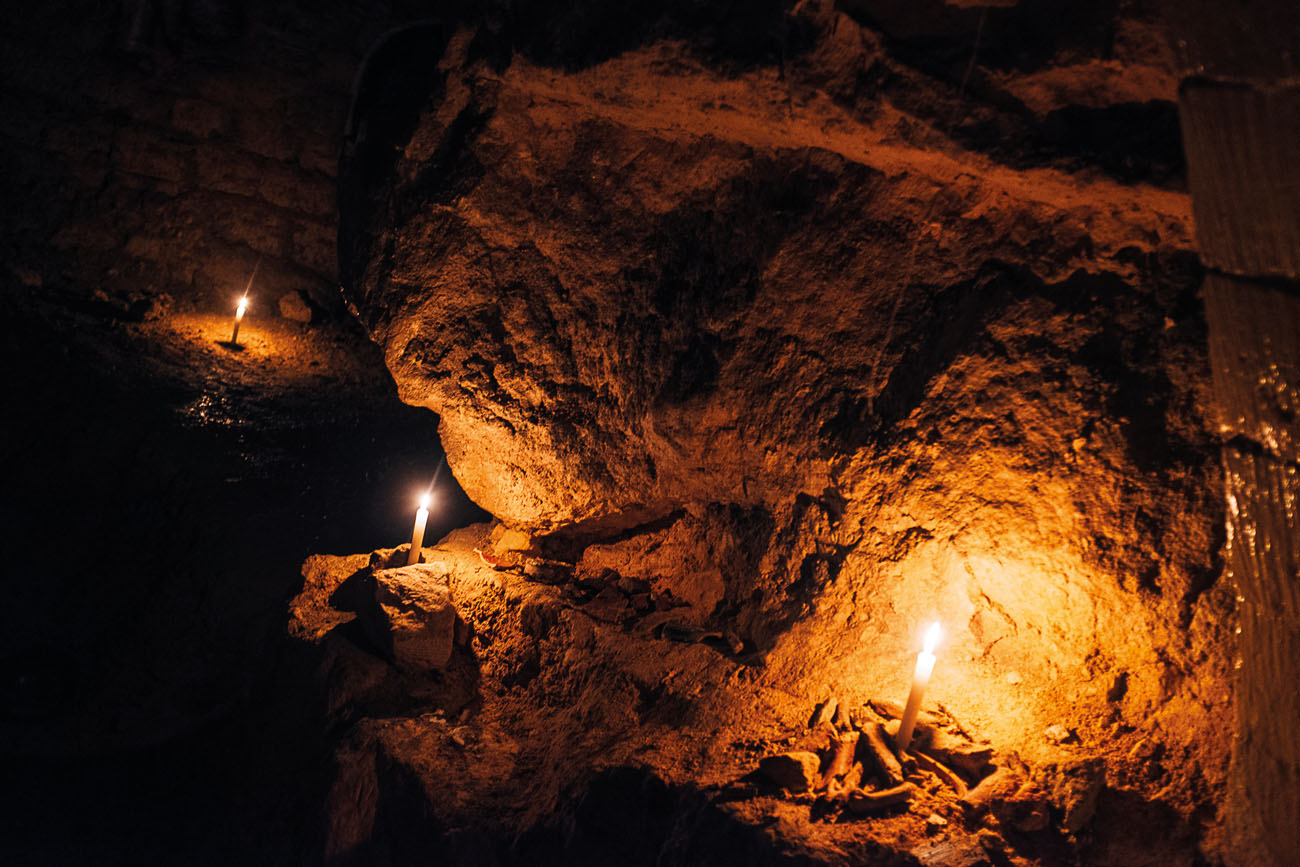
pixel 770 317
pixel 651 283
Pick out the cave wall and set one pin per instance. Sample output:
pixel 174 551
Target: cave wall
pixel 165 147
pixel 848 325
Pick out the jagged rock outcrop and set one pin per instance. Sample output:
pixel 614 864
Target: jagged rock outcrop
pixel 656 282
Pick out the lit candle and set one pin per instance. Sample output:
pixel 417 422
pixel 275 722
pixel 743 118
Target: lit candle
pixel 924 665
pixel 417 535
pixel 239 317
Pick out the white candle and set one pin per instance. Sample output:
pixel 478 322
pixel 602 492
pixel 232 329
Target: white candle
pixel 417 535
pixel 921 677
pixel 239 317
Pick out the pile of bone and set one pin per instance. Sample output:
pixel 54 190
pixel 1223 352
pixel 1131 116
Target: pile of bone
pixel 850 764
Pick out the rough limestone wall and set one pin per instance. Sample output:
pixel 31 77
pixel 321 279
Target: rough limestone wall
pixel 750 316
pixel 164 147
pixel 1240 108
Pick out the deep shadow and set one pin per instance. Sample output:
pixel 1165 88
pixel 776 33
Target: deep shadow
pixel 621 816
pixel 152 551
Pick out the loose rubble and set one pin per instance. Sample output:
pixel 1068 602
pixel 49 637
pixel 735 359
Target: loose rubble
pixel 859 772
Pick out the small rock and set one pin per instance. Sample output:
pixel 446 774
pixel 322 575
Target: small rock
pixel 296 306
pixel 593 584
pixel 1013 677
pixel 152 308
pixel 1059 734
pixel 504 540
pixel 795 771
pixel 935 823
pixel 609 605
pixel 391 558
pixel 1027 810
pixel 1074 786
pixel 959 753
pixel 543 572
pixel 886 709
pixel 410 615
pixel 632 586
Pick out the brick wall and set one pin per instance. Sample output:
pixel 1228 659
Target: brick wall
pixel 165 146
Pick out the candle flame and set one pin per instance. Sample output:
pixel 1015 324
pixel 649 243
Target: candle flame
pixel 243 304
pixel 932 636
pixel 426 500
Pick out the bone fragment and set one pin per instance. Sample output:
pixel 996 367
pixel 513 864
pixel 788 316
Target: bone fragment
pixel 873 743
pixel 853 779
pixel 863 717
pixel 955 723
pixel 893 710
pixel 1002 783
pixel 843 750
pixel 941 771
pixel 967 758
pixel 861 801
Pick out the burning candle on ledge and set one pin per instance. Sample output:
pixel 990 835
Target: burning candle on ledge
pixel 921 677
pixel 417 535
pixel 239 317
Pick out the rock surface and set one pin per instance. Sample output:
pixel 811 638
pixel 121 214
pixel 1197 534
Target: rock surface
pixel 1074 786
pixel 653 285
pixel 794 771
pixel 296 305
pixel 616 725
pixel 412 617
pixel 789 325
